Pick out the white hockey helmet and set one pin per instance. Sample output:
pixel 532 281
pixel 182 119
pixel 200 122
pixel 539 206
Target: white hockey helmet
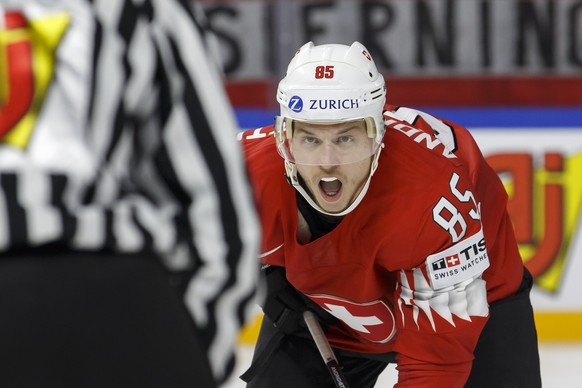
pixel 329 84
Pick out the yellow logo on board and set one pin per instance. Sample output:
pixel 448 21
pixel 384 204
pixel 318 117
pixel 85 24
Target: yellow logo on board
pixel 544 205
pixel 27 61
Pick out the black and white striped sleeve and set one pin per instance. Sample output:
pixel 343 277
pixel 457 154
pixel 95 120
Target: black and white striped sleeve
pixel 184 153
pixel 198 151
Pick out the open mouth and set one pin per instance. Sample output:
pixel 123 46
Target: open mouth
pixel 330 188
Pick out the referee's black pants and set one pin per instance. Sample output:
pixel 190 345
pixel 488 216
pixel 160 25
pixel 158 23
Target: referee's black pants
pixel 89 320
pixel 506 355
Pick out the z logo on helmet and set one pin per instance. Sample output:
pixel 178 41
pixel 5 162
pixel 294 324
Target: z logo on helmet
pixel 27 57
pixel 295 104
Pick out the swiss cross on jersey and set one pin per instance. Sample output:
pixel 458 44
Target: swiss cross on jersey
pixel 458 263
pixel 374 321
pixel 446 262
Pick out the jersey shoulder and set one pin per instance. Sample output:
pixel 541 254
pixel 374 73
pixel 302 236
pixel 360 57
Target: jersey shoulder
pixel 266 170
pixel 258 139
pixel 455 138
pixel 421 151
pixel 260 150
pixel 265 167
pixel 419 173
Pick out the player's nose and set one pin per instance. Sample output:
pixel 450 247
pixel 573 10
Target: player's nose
pixel 328 155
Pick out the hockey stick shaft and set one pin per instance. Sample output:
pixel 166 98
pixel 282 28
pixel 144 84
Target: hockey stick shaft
pixel 325 349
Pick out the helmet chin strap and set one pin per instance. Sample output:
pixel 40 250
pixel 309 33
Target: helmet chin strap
pixel 291 170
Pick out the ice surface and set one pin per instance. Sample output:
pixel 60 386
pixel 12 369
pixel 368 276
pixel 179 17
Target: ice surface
pixel 561 367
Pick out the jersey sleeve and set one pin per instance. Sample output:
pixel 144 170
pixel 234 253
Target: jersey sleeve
pixel 497 226
pixel 441 298
pixel 263 163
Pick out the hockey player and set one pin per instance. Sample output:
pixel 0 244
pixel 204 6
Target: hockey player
pixel 387 223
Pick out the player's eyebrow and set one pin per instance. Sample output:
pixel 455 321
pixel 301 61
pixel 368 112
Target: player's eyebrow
pixel 311 129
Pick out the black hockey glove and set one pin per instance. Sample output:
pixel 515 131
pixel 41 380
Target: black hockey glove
pixel 285 305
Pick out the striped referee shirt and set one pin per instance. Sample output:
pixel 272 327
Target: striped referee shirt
pixel 116 135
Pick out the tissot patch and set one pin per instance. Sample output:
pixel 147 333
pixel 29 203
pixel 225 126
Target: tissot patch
pixel 460 262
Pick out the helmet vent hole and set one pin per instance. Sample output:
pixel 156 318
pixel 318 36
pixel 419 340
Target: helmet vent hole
pixel 370 74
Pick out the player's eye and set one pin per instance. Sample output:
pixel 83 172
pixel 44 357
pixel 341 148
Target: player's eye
pixel 344 139
pixel 311 140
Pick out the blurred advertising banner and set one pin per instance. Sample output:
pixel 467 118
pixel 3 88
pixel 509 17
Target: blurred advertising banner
pixel 466 52
pixel 542 172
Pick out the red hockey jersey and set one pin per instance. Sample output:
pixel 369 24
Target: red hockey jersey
pixel 402 271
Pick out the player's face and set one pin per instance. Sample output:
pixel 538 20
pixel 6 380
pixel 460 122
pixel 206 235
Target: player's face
pixel 333 185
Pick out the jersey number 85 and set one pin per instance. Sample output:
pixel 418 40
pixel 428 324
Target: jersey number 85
pixel 448 217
